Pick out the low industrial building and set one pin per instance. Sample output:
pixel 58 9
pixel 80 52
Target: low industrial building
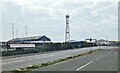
pixel 76 44
pixel 37 40
pixel 102 42
pixel 24 45
pixel 33 39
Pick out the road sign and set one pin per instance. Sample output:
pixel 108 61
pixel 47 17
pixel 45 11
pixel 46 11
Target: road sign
pixel 22 45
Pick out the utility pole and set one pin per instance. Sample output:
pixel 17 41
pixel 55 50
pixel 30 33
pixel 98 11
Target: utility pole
pixel 107 41
pixel 26 30
pixel 16 32
pixel 67 34
pixel 12 30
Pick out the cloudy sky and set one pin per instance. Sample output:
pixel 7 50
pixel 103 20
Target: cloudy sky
pixel 88 18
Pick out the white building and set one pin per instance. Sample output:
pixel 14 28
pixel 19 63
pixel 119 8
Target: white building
pixel 102 42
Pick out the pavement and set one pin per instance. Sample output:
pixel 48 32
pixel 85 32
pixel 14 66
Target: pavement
pixel 102 60
pixel 24 61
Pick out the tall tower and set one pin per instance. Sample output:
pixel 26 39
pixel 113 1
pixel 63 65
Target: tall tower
pixel 67 34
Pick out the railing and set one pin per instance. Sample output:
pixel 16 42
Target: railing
pixel 15 52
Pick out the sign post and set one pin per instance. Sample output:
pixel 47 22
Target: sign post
pixel 90 44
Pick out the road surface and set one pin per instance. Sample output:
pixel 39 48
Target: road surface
pixel 24 61
pixel 102 60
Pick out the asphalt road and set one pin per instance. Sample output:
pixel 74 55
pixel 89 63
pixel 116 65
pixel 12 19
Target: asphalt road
pixel 102 60
pixel 24 61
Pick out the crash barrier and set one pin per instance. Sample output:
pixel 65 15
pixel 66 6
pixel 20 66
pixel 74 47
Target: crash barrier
pixel 10 53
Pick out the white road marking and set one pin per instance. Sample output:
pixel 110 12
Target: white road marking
pixel 13 59
pixel 84 65
pixel 21 57
pixel 13 62
pixel 19 61
pixel 45 56
pixel 91 62
pixel 97 58
pixel 36 55
pixel 102 56
pixel 25 60
pixel 116 53
pixel 6 63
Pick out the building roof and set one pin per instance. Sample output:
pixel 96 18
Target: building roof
pixel 33 38
pixel 102 40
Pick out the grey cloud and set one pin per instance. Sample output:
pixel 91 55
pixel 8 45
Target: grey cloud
pixel 50 20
